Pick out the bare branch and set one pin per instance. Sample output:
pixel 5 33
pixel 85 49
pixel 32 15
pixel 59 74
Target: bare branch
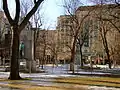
pixel 112 24
pixel 24 22
pixel 5 8
pixel 117 2
pixel 34 1
pixel 16 20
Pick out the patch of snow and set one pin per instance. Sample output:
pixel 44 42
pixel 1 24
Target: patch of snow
pixel 45 75
pixel 4 74
pixel 99 73
pixel 101 88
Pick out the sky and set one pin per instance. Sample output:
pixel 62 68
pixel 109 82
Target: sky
pixel 51 10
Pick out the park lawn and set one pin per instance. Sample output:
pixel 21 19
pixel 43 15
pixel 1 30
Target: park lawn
pixel 31 87
pixel 93 81
pixel 19 84
pixel 68 83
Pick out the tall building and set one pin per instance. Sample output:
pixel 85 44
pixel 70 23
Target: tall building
pixel 101 21
pixel 64 37
pixel 97 20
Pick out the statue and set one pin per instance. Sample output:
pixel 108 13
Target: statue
pixel 22 50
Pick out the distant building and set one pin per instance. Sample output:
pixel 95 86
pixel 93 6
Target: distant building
pixel 5 37
pixel 64 37
pixel 4 28
pixel 46 50
pixel 93 45
pixel 100 18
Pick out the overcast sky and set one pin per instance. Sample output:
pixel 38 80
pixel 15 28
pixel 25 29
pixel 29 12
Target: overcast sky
pixel 52 9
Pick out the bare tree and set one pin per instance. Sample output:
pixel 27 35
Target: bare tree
pixel 104 13
pixel 83 39
pixel 44 44
pixel 71 7
pixel 111 5
pixel 114 48
pixel 17 28
pixel 38 24
pixel 52 46
pixel 41 46
pixel 103 32
pixel 108 15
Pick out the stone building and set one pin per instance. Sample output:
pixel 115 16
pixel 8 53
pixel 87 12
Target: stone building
pixel 99 17
pixel 5 37
pixel 4 28
pixel 103 22
pixel 64 37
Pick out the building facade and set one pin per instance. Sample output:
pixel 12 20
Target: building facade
pixel 104 23
pixel 100 21
pixel 64 38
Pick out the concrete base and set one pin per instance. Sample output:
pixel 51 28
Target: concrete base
pixel 31 66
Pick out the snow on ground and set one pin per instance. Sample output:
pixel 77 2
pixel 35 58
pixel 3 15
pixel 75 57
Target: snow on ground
pixel 4 74
pixel 101 88
pixel 56 71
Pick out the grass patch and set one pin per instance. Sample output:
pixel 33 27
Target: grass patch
pixel 101 81
pixel 63 83
pixel 31 87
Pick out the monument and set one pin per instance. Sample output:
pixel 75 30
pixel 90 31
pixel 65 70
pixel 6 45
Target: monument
pixel 27 49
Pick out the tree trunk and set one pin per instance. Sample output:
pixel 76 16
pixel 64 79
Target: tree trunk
pixel 105 44
pixel 107 52
pixel 72 67
pixel 14 70
pixel 34 46
pixel 108 57
pixel 81 61
pixel 72 61
pixel 42 66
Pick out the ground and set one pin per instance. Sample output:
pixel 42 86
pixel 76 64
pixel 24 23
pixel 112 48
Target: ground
pixel 58 78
